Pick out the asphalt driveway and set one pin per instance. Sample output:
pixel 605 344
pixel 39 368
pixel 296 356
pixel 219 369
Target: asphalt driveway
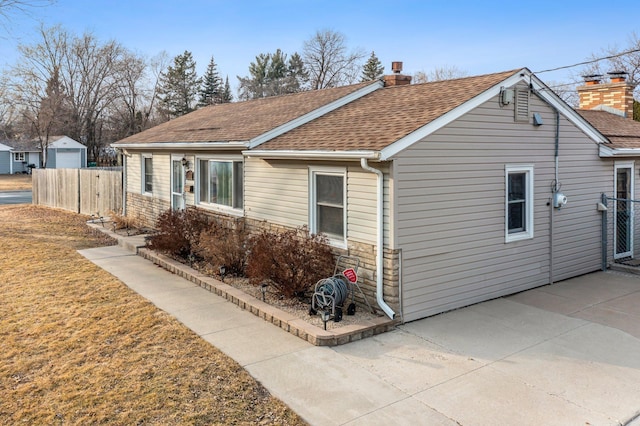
pixel 15 197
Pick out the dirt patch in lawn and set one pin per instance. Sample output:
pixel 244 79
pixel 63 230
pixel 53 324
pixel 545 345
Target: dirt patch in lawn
pixel 79 347
pixel 19 182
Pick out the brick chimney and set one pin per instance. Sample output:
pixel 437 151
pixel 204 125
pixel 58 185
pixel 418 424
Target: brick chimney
pixel 396 79
pixel 617 94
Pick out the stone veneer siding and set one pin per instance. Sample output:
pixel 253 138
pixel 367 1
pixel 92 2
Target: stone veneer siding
pixel 146 209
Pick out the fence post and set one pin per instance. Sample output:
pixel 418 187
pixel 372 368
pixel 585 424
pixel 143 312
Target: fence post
pixel 604 232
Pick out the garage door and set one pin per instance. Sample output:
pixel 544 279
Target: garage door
pixel 68 160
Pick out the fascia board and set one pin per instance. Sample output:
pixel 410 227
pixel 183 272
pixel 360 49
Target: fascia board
pixel 312 155
pixel 608 152
pixel 182 145
pixel 325 109
pixel 549 96
pixel 454 114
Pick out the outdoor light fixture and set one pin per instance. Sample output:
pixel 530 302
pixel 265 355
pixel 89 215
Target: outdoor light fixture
pixel 185 162
pixel 325 315
pixel 223 272
pixel 263 289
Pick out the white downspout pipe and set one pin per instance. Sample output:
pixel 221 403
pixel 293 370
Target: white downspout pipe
pixel 379 238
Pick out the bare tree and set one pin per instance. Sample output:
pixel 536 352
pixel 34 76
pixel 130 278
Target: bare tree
pixel 96 79
pixel 625 59
pixel 328 62
pixel 444 72
pixel 9 8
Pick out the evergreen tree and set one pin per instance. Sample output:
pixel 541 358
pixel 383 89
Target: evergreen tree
pixel 179 86
pixel 636 110
pixel 211 89
pixel 226 93
pixel 373 69
pixel 272 74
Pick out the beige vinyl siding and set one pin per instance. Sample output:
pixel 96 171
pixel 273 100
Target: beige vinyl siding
pixel 451 209
pixel 278 191
pixel 162 176
pixel 134 170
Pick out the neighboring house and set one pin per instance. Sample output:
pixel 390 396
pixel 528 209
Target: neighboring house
pixel 5 159
pixel 457 181
pixel 62 153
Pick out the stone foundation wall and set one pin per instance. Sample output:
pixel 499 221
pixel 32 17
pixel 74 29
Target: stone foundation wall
pixel 146 209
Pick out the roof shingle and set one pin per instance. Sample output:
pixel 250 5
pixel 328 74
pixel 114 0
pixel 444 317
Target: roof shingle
pixel 621 132
pixel 384 116
pixel 240 121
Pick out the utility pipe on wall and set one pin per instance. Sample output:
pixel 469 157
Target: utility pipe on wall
pixel 379 238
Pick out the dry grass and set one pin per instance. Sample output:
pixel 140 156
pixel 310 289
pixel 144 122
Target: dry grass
pixel 15 182
pixel 79 347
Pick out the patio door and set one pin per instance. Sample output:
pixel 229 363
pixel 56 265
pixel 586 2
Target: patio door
pixel 177 183
pixel 623 210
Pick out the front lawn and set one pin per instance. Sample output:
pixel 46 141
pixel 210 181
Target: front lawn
pixel 79 347
pixel 19 182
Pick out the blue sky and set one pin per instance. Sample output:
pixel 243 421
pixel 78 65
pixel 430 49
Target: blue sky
pixel 475 36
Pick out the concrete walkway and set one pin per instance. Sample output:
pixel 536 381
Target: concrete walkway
pixel 567 354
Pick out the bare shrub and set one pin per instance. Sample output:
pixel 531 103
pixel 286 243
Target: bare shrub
pixel 225 246
pixel 124 222
pixel 178 232
pixel 292 261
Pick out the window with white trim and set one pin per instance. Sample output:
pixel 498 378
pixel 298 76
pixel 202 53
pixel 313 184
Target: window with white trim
pixel 147 173
pixel 220 182
pixel 518 203
pixel 328 203
pixel 18 156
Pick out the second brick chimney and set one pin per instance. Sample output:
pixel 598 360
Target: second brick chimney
pixel 396 79
pixel 617 94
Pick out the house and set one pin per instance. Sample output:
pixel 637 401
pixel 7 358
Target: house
pixel 5 159
pixel 62 153
pixel 450 192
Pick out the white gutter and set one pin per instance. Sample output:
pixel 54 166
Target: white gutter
pixel 124 183
pixel 182 145
pixel 607 152
pixel 380 239
pixel 313 155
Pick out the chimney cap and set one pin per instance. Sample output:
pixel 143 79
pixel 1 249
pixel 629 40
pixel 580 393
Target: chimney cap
pixel 618 75
pixel 396 67
pixel 592 77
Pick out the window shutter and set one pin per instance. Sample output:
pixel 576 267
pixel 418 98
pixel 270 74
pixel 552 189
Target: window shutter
pixel 522 105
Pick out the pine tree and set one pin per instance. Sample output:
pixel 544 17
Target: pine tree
pixel 211 89
pixel 373 69
pixel 226 93
pixel 179 86
pixel 271 74
pixel 636 110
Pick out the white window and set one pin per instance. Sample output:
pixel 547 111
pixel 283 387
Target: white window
pixel 18 156
pixel 147 174
pixel 328 200
pixel 220 182
pixel 518 203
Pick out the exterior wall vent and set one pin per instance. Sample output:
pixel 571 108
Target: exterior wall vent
pixel 521 109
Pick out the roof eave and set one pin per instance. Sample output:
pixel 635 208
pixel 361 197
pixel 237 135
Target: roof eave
pixel 312 155
pixel 182 145
pixel 609 152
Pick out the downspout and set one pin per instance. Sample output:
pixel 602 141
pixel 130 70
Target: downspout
pixel 379 238
pixel 555 188
pixel 124 182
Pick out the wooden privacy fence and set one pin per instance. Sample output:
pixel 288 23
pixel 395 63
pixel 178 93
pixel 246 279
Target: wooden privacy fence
pixel 85 191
